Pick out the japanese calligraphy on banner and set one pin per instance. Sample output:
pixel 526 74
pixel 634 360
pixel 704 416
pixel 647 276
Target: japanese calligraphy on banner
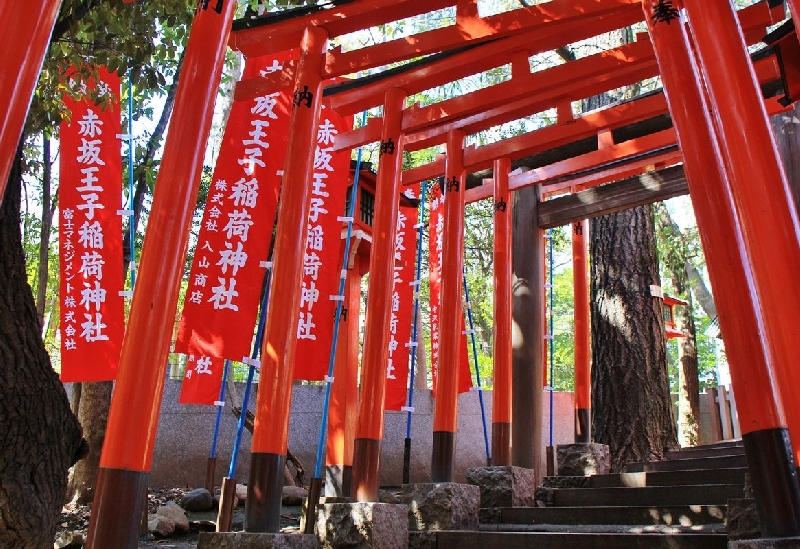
pixel 202 381
pixel 405 256
pixel 90 236
pixel 436 224
pixel 322 264
pixel 226 276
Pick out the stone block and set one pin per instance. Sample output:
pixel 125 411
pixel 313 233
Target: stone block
pixel 255 540
pixel 766 543
pixel 442 506
pixel 422 540
pixel 362 525
pixel 545 497
pixel 742 520
pixel 489 515
pixel 583 460
pixel 504 486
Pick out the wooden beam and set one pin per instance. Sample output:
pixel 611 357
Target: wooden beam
pixel 613 197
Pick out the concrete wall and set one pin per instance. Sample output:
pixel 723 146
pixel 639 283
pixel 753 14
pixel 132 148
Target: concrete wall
pixel 185 433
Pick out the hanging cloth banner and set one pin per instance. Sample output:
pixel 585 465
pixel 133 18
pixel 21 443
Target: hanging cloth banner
pixel 90 235
pixel 202 380
pixel 225 279
pixel 405 256
pixel 322 263
pixel 435 240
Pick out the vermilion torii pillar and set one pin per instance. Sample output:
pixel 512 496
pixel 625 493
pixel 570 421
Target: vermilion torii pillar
pixel 271 429
pixel 445 416
pixel 133 418
pixel 369 431
pixel 729 261
pixel 503 380
pixel 766 211
pixel 27 29
pixel 583 374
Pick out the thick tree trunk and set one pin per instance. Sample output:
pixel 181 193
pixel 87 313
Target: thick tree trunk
pixel 93 407
pixel 631 409
pixel 39 437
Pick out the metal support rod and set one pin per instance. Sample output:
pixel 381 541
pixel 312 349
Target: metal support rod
pixel 478 381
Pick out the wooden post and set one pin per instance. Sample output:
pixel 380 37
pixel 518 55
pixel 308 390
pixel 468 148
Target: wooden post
pixel 583 344
pixel 724 413
pixel 713 412
pixel 369 432
pixel 445 415
pixel 133 418
pixel 271 429
pixel 731 262
pixel 527 340
pixel 503 379
pixel 27 27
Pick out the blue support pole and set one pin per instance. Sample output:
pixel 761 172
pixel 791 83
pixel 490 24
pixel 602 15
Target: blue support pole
pixel 477 370
pixel 409 408
pixel 219 404
pixel 131 190
pixel 316 481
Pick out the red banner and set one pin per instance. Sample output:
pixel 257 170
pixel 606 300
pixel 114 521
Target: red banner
pixel 228 269
pixel 405 283
pixel 322 264
pixel 202 381
pixel 90 236
pixel 436 224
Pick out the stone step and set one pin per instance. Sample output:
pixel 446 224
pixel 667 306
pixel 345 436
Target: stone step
pixel 731 475
pixel 715 528
pixel 701 452
pixel 549 540
pixel 724 462
pixel 698 494
pixel 670 515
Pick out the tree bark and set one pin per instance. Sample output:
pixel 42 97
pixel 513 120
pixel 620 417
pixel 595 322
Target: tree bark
pixel 44 236
pixel 631 408
pixel 39 437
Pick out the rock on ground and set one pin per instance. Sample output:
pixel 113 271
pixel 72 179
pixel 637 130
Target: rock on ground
pixel 198 499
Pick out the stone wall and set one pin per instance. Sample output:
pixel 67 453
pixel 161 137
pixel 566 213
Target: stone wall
pixel 185 433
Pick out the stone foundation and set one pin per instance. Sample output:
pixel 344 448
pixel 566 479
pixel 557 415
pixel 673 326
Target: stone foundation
pixel 766 543
pixel 742 520
pixel 363 525
pixel 253 540
pixel 442 506
pixel 504 486
pixel 583 460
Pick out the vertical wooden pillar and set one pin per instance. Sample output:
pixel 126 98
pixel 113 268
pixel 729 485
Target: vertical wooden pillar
pixel 369 432
pixel 344 392
pixel 501 403
pixel 527 448
pixel 730 267
pixel 583 345
pixel 271 429
pixel 445 415
pixel 133 418
pixel 27 27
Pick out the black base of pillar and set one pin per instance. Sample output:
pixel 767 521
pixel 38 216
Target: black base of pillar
pixel 347 481
pixel 583 426
pixel 443 457
pixel 117 509
pixel 501 444
pixel 264 493
pixel 407 461
pixel 366 469
pixel 773 474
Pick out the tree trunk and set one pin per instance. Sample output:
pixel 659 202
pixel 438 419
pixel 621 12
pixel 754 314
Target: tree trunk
pixel 689 385
pixel 93 407
pixel 631 408
pixel 44 237
pixel 39 437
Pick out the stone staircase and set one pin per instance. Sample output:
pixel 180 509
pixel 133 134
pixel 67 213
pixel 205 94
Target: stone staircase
pixel 680 503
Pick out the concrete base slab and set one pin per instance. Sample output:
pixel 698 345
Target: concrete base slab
pixel 362 525
pixel 504 486
pixel 254 540
pixel 441 506
pixel 765 543
pixel 583 460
